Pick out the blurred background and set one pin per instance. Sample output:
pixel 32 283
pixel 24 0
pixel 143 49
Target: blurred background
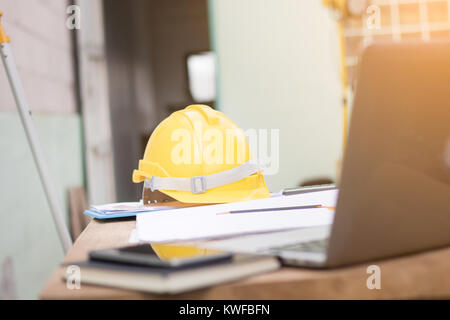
pixel 98 91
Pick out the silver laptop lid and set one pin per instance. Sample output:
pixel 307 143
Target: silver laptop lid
pixel 395 190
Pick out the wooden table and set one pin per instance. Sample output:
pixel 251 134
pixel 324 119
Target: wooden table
pixel 423 275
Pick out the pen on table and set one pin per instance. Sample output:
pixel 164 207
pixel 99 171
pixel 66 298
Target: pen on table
pixel 272 209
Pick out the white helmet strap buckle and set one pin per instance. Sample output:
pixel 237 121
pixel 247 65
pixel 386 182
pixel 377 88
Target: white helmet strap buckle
pixel 201 184
pixel 198 185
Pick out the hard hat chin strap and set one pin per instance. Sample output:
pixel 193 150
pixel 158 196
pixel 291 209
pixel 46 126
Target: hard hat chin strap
pixel 201 184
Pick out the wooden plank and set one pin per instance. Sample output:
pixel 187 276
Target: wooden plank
pixel 77 205
pixel 423 275
pixel 95 104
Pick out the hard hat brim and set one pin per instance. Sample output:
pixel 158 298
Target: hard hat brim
pixel 219 196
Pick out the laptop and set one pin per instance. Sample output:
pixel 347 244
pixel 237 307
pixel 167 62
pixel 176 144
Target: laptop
pixel 394 195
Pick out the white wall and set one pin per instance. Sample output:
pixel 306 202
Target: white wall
pixel 28 235
pixel 42 47
pixel 278 68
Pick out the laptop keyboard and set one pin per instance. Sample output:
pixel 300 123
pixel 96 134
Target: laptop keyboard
pixel 311 246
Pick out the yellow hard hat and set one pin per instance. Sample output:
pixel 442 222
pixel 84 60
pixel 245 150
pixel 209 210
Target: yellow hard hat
pixel 172 251
pixel 198 155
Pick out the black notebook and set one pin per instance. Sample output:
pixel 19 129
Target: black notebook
pixel 173 280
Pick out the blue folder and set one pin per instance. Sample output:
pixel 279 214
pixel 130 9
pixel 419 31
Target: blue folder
pixel 103 216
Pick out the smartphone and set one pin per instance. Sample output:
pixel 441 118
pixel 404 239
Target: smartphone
pixel 160 255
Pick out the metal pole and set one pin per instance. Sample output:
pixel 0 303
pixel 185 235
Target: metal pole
pixel 30 130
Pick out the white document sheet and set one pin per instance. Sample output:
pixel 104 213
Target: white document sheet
pixel 133 239
pixel 208 222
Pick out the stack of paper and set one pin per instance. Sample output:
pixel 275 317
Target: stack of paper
pixel 217 221
pixel 121 210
